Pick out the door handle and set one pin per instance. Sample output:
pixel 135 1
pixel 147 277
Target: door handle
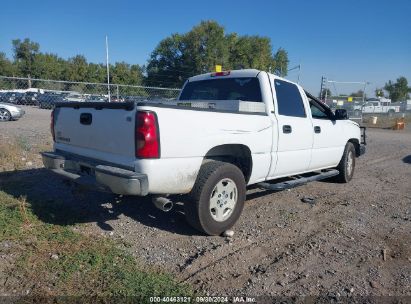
pixel 287 129
pixel 317 129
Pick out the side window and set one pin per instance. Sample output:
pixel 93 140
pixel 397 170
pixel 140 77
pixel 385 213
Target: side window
pixel 317 112
pixel 289 99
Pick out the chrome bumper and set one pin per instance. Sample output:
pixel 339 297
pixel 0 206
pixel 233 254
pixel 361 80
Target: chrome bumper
pixel 94 176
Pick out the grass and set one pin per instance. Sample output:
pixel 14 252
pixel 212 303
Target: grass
pixel 52 260
pixel 16 154
pixel 55 260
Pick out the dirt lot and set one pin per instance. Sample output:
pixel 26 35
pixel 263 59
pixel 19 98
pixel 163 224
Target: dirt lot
pixel 354 240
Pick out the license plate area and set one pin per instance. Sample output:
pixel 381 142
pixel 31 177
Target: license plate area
pixel 86 170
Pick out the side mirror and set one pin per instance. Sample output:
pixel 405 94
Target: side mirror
pixel 340 114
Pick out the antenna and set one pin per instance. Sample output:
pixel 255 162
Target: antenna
pixel 108 71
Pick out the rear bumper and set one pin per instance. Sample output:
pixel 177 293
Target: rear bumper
pixel 95 176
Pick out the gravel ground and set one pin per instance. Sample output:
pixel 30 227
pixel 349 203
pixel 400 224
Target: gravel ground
pixel 35 125
pixel 354 240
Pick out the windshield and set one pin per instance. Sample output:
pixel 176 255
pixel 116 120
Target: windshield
pixel 241 88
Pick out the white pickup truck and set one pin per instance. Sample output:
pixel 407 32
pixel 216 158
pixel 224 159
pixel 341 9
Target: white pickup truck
pixel 380 106
pixel 226 131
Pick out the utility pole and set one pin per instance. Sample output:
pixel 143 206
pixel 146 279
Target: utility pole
pixel 322 86
pixel 108 71
pixel 363 92
pixel 294 68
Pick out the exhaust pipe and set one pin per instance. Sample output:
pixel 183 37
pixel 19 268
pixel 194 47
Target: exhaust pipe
pixel 163 203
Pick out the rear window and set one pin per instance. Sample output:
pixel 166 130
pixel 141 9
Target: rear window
pixel 289 99
pixel 240 88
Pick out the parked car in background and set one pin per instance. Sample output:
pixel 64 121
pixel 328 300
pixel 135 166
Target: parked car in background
pixel 29 98
pixel 376 106
pixel 134 98
pixel 48 99
pixel 115 98
pixel 11 97
pixel 357 108
pixel 10 112
pixel 74 97
pixel 3 96
pixel 96 98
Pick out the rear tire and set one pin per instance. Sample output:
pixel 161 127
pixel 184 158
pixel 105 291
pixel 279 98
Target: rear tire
pixel 217 198
pixel 346 165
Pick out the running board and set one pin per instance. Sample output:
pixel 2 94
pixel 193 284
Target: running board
pixel 299 181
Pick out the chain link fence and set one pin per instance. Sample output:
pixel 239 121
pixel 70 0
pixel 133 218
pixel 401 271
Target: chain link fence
pixel 45 93
pixel 374 112
pixel 353 105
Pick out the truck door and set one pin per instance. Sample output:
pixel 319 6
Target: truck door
pixel 295 136
pixel 378 107
pixel 368 108
pixel 328 144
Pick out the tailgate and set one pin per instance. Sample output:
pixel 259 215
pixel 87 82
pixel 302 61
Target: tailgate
pixel 96 126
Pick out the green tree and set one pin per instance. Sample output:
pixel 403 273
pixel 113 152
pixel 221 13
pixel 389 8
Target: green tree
pixel 6 66
pixel 198 51
pixel 96 73
pixel 250 52
pixel 166 64
pixel 281 62
pixel 47 66
pixel 124 73
pixel 204 47
pixel 24 54
pixel 77 68
pixel 399 90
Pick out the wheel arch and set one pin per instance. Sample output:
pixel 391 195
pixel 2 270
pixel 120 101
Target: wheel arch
pixel 356 144
pixel 236 154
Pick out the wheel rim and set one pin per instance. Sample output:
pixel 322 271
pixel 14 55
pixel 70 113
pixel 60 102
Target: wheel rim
pixel 223 199
pixel 350 163
pixel 4 115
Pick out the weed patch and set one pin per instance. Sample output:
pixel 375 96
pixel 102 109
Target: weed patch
pixel 55 261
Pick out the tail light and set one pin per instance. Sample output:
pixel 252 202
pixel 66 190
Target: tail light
pixel 52 125
pixel 223 73
pixel 147 137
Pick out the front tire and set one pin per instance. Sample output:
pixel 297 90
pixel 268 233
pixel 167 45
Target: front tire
pixel 4 115
pixel 347 164
pixel 217 198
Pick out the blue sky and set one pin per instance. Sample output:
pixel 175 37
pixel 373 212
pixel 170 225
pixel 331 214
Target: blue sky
pixel 345 40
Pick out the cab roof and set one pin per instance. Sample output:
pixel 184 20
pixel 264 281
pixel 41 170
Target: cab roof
pixel 233 73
